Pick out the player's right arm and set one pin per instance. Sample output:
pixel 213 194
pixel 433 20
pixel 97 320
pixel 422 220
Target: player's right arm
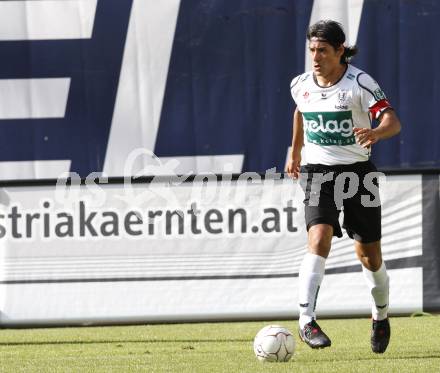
pixel 294 163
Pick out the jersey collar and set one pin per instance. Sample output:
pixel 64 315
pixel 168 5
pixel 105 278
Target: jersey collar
pixel 340 78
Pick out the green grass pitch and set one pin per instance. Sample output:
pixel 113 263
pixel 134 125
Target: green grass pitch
pixel 217 347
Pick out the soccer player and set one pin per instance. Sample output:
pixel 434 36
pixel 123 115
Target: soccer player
pixel 335 104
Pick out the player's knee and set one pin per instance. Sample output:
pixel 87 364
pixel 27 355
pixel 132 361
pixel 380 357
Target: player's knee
pixel 370 255
pixel 320 237
pixel 373 265
pixel 371 262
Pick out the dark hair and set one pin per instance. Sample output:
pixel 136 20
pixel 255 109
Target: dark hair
pixel 332 32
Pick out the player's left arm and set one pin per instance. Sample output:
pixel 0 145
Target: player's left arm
pixel 389 126
pixel 374 101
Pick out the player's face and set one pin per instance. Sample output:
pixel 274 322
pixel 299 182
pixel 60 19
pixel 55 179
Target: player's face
pixel 325 58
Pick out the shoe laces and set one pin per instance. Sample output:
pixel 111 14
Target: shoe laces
pixel 379 326
pixel 311 328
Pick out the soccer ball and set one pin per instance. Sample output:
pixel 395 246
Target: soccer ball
pixel 274 343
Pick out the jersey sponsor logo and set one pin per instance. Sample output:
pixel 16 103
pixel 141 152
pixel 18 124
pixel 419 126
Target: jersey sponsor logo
pixel 342 100
pixel 329 128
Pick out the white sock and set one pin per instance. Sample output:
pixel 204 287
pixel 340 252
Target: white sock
pixel 311 274
pixel 379 285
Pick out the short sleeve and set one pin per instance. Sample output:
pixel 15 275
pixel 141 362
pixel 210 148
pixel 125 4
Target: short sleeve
pixel 294 88
pixel 372 97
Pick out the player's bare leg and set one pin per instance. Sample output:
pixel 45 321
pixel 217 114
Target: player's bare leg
pixel 377 279
pixel 310 277
pixel 320 239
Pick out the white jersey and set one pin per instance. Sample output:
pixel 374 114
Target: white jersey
pixel 330 113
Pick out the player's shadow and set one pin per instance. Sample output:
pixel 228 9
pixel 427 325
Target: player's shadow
pixel 385 356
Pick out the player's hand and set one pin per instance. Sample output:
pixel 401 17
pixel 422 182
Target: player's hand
pixel 365 137
pixel 293 167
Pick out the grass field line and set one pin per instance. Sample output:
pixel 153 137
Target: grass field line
pixel 217 347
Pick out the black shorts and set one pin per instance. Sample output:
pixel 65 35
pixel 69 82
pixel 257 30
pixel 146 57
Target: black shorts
pixel 330 189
